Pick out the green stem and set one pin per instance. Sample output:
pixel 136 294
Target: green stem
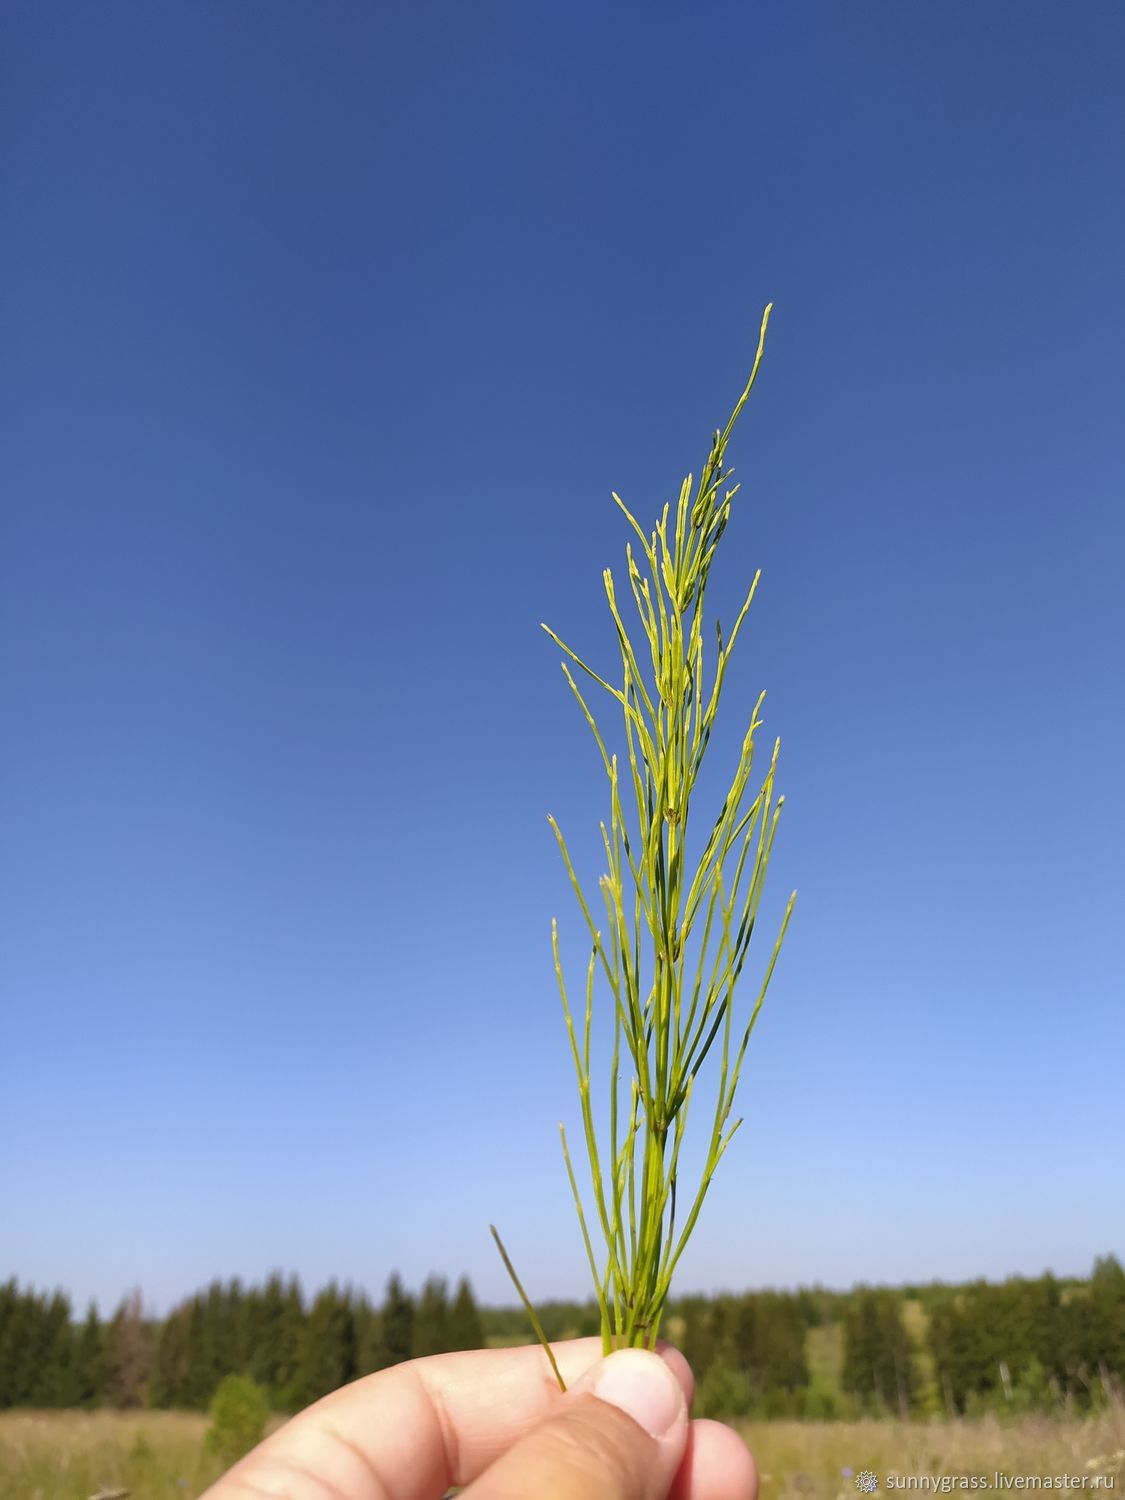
pixel 535 1323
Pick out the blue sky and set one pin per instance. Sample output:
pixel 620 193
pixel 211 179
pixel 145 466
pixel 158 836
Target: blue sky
pixel 327 332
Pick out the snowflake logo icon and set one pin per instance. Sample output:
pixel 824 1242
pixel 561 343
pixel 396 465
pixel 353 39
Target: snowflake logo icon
pixel 866 1482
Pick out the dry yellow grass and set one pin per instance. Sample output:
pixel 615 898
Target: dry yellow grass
pixel 60 1455
pixel 160 1456
pixel 808 1459
pixel 72 1455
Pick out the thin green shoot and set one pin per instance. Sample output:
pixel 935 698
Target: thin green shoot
pixel 668 1012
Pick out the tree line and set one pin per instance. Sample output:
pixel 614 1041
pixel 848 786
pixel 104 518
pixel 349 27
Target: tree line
pixel 1024 1344
pixel 1029 1343
pixel 296 1350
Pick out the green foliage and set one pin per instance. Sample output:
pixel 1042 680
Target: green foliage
pixel 326 1356
pixel 275 1320
pixel 239 1411
pixel 820 1401
pixel 758 1341
pixel 1101 1334
pixel 1022 1347
pixel 89 1360
pixel 55 1383
pixel 172 1385
pixel 370 1354
pixel 724 1394
pixel 1033 1390
pixel 397 1322
pixel 1030 1345
pixel 668 1010
pixel 878 1358
pixel 465 1330
pixel 431 1321
pixel 37 1350
pixel 228 1330
pixel 142 1451
pixel 559 1319
pixel 811 1301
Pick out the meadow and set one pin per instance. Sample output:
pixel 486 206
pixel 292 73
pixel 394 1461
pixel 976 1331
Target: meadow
pixel 160 1455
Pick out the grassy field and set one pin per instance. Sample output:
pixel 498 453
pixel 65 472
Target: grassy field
pixel 159 1455
pixel 72 1455
pixel 802 1459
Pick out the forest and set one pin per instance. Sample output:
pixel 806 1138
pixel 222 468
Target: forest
pixel 1019 1346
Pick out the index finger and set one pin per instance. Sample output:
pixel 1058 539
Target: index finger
pixel 411 1431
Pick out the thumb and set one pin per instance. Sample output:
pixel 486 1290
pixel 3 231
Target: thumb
pixel 618 1434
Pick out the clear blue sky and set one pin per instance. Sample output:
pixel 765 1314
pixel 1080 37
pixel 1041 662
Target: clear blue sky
pixel 327 331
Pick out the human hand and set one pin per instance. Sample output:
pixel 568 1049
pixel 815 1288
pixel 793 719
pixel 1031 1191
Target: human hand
pixel 495 1420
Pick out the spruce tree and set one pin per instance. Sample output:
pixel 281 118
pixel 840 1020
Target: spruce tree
pixel 239 1314
pixel 171 1376
pixel 370 1353
pixel 53 1377
pixel 274 1319
pixel 327 1352
pixel 878 1359
pixel 698 1338
pixel 89 1360
pixel 769 1337
pixel 20 1325
pixel 287 1337
pixel 465 1330
pixel 199 1380
pixel 9 1303
pixel 431 1322
pixel 398 1322
pixel 215 1354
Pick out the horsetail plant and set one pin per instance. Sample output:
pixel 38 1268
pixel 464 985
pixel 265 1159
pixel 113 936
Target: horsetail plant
pixel 668 1012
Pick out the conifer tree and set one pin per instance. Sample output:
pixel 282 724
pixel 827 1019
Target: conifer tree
pixel 431 1322
pixel 274 1323
pixel 214 1355
pixel 288 1333
pixel 327 1352
pixel 370 1353
pixel 199 1380
pixel 238 1327
pixel 465 1330
pixel 8 1304
pixel 89 1360
pixel 171 1375
pixel 19 1344
pixel 398 1322
pixel 769 1337
pixel 697 1340
pixel 53 1374
pixel 878 1359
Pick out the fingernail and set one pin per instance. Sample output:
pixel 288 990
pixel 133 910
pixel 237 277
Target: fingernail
pixel 643 1387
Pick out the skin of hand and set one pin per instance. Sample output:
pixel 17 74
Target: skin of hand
pixel 496 1421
